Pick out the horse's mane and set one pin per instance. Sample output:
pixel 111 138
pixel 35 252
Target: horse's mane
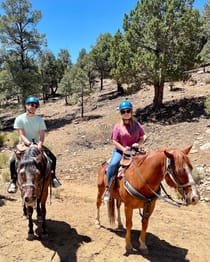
pixel 29 157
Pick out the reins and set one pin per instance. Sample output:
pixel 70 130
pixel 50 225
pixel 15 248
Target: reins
pixel 47 169
pixel 133 192
pixel 43 178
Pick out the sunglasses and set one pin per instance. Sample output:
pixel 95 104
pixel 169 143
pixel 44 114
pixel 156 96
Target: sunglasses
pixel 33 105
pixel 128 111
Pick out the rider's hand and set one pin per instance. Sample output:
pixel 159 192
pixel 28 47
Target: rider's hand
pixel 127 148
pixel 135 145
pixel 39 145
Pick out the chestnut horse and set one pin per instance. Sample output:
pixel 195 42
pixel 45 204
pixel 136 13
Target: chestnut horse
pixel 139 187
pixel 33 181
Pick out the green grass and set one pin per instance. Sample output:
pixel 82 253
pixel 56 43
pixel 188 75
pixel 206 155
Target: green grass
pixel 4 158
pixel 5 177
pixel 8 139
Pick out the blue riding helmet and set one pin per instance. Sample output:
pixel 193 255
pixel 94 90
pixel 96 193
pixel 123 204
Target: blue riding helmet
pixel 32 99
pixel 125 105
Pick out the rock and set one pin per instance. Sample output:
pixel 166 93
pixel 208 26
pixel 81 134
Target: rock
pixel 205 146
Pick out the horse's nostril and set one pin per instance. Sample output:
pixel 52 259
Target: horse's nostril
pixel 195 199
pixel 26 199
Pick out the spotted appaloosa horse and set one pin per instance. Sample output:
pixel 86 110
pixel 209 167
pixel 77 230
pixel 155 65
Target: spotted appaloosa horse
pixel 33 181
pixel 139 187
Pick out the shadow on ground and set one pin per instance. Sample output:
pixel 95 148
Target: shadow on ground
pixel 173 112
pixel 159 250
pixel 63 240
pixel 3 199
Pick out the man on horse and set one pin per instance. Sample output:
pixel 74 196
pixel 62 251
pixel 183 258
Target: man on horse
pixel 31 130
pixel 127 133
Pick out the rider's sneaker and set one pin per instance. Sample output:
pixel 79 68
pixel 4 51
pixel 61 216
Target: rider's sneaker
pixel 12 188
pixel 56 183
pixel 106 196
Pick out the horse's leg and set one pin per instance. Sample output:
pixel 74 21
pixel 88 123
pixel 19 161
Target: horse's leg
pixel 30 223
pixel 24 212
pixel 39 213
pixel 101 189
pixel 145 221
pixel 128 216
pixel 43 211
pixel 120 225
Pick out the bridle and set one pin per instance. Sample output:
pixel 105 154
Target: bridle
pixel 167 198
pixel 41 180
pixel 171 173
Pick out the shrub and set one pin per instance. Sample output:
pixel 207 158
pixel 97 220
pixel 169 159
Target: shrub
pixel 5 177
pixel 207 80
pixel 3 138
pixel 196 175
pixel 207 105
pixel 12 139
pixel 9 139
pixel 3 160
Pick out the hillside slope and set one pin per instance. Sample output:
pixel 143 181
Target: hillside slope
pixel 174 234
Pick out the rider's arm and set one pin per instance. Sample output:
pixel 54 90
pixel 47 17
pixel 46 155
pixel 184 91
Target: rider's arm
pixel 141 140
pixel 119 146
pixel 23 137
pixel 41 138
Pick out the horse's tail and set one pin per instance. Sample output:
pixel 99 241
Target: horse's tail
pixel 111 210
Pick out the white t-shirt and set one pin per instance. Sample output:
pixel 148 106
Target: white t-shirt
pixel 31 126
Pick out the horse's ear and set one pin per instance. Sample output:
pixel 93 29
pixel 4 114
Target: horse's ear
pixel 169 154
pixel 187 150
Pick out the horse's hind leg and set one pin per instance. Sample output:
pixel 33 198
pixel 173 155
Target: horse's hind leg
pixel 101 189
pixel 119 221
pixel 128 215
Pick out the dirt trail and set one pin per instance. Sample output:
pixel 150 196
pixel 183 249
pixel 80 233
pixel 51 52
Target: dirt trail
pixel 174 234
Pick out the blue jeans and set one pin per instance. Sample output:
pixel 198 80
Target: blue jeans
pixel 113 164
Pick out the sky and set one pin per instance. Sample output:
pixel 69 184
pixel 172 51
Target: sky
pixel 76 24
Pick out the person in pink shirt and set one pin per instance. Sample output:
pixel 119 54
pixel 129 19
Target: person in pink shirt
pixel 125 134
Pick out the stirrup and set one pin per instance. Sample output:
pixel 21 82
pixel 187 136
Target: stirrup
pixel 107 195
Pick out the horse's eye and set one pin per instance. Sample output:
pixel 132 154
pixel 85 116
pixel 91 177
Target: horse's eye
pixel 22 172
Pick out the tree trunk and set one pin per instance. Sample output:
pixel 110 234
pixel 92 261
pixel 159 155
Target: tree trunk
pixel 82 102
pixel 158 97
pixel 120 88
pixel 102 82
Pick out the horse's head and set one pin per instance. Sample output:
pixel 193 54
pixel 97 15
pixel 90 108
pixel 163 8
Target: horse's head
pixel 30 173
pixel 179 174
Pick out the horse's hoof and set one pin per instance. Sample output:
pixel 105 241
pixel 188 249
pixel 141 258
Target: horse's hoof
pixel 129 251
pixel 144 251
pixel 30 237
pixel 120 227
pixel 44 235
